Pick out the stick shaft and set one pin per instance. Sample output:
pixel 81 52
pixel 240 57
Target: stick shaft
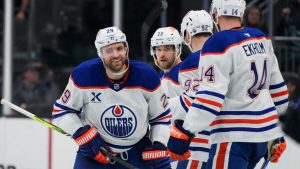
pixel 265 164
pixel 34 117
pixel 52 126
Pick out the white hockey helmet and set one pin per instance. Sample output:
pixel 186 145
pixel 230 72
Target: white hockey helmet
pixel 107 36
pixel 228 7
pixel 195 22
pixel 166 36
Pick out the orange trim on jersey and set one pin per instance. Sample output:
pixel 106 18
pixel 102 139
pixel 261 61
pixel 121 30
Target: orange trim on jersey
pixel 141 87
pixel 279 94
pixel 188 70
pixel 194 164
pixel 221 156
pixel 187 102
pixel 56 111
pixel 106 87
pixel 247 121
pixel 210 102
pixel 200 140
pixel 167 117
pixel 232 45
pixel 173 81
pixel 238 28
pixel 177 133
pixel 87 87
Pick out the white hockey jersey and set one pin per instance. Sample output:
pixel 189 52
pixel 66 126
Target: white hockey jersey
pixel 242 88
pixel 189 74
pixel 121 111
pixel 189 78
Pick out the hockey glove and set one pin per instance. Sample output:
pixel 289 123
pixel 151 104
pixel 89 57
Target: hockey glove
pixel 156 156
pixel 275 149
pixel 179 141
pixel 90 142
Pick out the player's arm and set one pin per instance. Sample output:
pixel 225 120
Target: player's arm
pixel 277 88
pixel 160 116
pixel 67 108
pixel 66 111
pixel 217 68
pixel 179 106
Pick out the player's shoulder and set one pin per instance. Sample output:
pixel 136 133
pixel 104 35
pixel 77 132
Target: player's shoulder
pixel 142 69
pixel 173 74
pixel 142 74
pixel 191 62
pixel 87 69
pixel 223 40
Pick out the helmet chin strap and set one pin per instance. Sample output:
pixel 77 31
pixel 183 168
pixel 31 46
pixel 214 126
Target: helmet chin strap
pixel 216 22
pixel 190 47
pixel 188 44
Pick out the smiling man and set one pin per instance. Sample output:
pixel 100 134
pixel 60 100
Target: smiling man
pixel 110 103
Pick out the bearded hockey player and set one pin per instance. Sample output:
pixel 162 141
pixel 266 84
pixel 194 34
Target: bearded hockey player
pixel 110 103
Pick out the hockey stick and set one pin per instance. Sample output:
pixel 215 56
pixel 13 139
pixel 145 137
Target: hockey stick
pixel 265 164
pixel 52 126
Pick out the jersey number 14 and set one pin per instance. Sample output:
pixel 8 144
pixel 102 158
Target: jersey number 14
pixel 258 82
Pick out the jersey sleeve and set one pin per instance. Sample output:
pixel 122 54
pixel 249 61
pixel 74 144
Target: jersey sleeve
pixel 277 88
pixel 159 116
pixel 67 108
pixel 215 75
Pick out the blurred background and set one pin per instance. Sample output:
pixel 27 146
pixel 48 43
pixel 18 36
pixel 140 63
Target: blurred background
pixel 41 41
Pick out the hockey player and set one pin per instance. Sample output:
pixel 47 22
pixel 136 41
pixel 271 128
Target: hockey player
pixel 166 50
pixel 241 93
pixel 109 103
pixel 196 28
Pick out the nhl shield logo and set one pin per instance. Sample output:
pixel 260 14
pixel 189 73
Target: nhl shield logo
pixel 119 121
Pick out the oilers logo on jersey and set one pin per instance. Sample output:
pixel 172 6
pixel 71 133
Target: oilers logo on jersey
pixel 118 121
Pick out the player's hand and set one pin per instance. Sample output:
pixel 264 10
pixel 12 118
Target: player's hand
pixel 156 156
pixel 275 149
pixel 179 141
pixel 90 142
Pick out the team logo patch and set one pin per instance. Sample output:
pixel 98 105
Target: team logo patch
pixel 119 121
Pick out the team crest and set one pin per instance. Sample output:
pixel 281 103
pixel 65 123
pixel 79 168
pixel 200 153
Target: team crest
pixel 119 121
